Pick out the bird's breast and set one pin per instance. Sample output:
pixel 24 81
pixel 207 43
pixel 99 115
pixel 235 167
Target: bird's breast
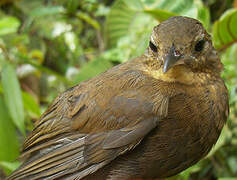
pixel 184 137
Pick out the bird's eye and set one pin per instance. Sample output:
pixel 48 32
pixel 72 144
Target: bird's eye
pixel 199 46
pixel 153 47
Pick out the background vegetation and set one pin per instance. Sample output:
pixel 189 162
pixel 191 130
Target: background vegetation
pixel 48 46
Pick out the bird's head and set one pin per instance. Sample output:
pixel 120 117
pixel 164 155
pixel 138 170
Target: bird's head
pixel 183 41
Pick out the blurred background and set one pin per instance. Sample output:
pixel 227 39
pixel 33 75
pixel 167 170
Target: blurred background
pixel 47 46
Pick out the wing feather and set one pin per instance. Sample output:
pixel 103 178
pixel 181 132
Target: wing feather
pixel 78 134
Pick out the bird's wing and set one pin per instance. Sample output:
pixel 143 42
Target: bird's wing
pixel 78 135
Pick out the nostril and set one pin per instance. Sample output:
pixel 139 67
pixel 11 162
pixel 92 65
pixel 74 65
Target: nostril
pixel 177 53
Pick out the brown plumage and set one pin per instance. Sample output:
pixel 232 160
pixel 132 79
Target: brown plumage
pixel 150 117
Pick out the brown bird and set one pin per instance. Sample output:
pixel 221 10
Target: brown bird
pixel 151 117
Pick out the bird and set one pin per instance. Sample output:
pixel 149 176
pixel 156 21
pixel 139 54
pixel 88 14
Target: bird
pixel 150 117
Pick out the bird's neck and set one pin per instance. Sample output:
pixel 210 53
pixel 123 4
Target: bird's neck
pixel 179 74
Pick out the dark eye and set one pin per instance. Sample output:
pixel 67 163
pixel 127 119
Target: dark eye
pixel 199 46
pixel 153 47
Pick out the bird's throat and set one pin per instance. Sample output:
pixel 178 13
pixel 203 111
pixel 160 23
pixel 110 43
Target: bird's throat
pixel 178 73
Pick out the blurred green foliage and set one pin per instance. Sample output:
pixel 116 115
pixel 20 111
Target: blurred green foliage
pixel 48 46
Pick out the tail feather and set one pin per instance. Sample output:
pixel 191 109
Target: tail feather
pixel 67 154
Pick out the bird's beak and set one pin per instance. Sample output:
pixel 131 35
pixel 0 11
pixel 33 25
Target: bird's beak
pixel 171 59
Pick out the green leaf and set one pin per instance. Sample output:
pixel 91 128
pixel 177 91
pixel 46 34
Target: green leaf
pixel 9 144
pixel 72 6
pixel 186 173
pixel 8 25
pixel 124 20
pixel 232 162
pixel 230 73
pixel 159 14
pixel 190 8
pixel 27 6
pixel 89 20
pixel 225 30
pixel 180 7
pixel 93 68
pixel 135 4
pixel 31 105
pixel 9 166
pixel 12 95
pixel 46 11
pixel 203 14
